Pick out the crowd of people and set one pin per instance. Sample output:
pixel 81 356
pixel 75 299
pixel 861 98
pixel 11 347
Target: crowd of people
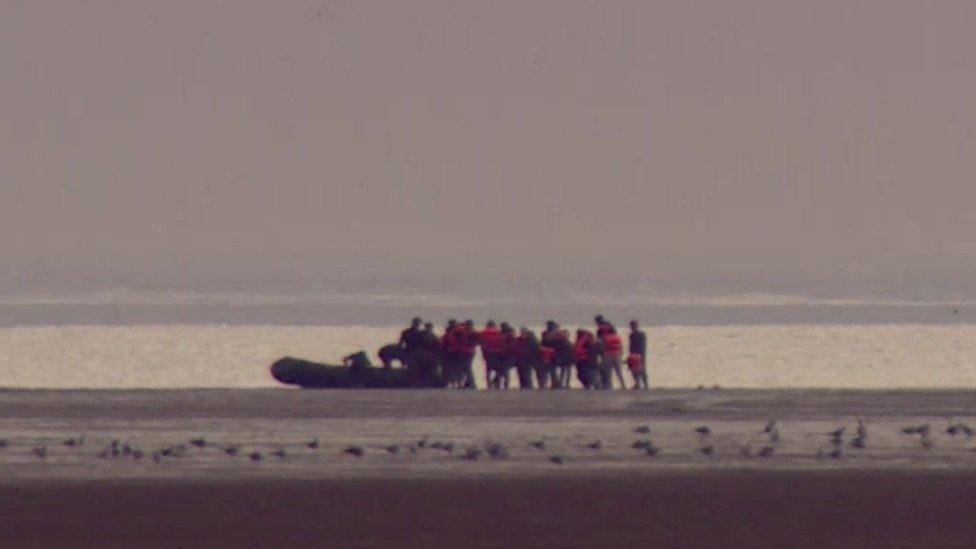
pixel 545 361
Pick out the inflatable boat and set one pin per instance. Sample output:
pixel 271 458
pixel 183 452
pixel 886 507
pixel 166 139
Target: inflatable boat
pixel 312 375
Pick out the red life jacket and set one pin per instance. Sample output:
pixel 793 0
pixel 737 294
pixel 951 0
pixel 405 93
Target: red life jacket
pixel 635 362
pixel 546 353
pixel 450 341
pixel 491 340
pixel 467 340
pixel 612 344
pixel 579 348
pixel 602 330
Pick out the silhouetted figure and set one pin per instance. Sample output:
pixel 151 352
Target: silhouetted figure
pixel 493 349
pixel 637 355
pixel 389 353
pixel 611 358
pixel 507 357
pixel 527 356
pixel 468 343
pixel 558 340
pixel 588 352
pixel 451 353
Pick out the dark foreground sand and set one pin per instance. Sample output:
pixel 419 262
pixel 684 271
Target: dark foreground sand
pixel 847 508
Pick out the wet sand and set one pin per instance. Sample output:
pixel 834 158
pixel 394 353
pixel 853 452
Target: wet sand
pixel 691 509
pixel 892 492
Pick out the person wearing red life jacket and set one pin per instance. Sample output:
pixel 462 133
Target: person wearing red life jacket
pixel 637 346
pixel 613 351
pixel 493 350
pixel 451 353
pixel 545 373
pixel 602 326
pixel 507 356
pixel 587 351
pixel 559 341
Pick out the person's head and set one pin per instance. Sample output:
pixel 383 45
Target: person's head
pixel 581 333
pixel 416 322
pixel 451 323
pixel 490 323
pixel 429 327
pixel 598 319
pixel 506 327
pixel 523 330
pixel 551 325
pixel 634 325
pixel 469 323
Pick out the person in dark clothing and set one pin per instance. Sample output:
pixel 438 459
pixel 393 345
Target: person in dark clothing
pixel 410 338
pixel 507 356
pixel 492 349
pixel 389 353
pixel 558 340
pixel 587 351
pixel 467 343
pixel 527 357
pixel 424 359
pixel 451 353
pixel 637 358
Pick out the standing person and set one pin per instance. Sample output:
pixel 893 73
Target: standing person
pixel 613 351
pixel 467 343
pixel 451 353
pixel 528 357
pixel 427 358
pixel 545 372
pixel 637 357
pixel 507 356
pixel 602 326
pixel 563 358
pixel 492 349
pixel 409 343
pixel 586 350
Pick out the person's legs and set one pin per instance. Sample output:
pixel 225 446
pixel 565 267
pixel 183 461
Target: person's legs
pixel 618 370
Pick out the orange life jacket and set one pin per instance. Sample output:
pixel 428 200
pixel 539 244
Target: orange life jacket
pixel 612 344
pixel 491 340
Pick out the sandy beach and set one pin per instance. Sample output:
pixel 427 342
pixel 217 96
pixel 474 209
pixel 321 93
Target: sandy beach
pixel 893 492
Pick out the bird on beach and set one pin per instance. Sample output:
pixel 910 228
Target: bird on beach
pixel 708 450
pixel 641 444
pixel 393 449
pixel 199 442
pixel 642 429
pixel 74 442
pixel 595 445
pixel 652 450
pixel 766 451
pixel 137 455
pixel 704 431
pixel 923 430
pixel 859 442
pixel 496 450
pixel 835 453
pixel 471 453
pixel 313 444
pixel 279 453
pixel 354 450
pixel 836 436
pixel 255 456
pixel 422 443
pixel 40 451
pixel 538 444
pixel 558 460
pixel 770 427
pixel 444 446
pixel 232 451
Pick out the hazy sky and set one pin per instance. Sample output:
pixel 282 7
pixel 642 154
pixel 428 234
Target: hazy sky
pixel 301 137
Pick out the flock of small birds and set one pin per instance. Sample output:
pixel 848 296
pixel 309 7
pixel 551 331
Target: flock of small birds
pixel 835 446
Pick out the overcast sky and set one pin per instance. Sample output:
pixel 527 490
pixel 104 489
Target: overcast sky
pixel 211 137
